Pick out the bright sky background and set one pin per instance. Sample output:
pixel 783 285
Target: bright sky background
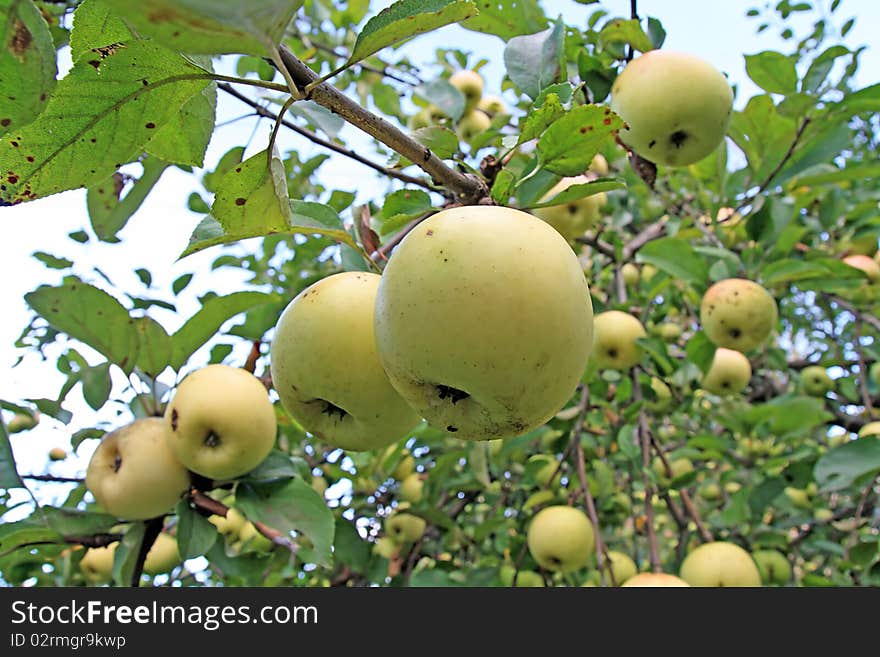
pixel 718 32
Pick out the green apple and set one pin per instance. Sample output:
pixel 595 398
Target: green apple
pixel 773 566
pixel 865 264
pixel 22 422
pixel 621 566
pixel 134 474
pixel 524 578
pixel 874 373
pixel 574 218
pixel 560 538
pixel 472 125
pixel 421 119
pixel 679 468
pixel 470 84
pixel 815 381
pixel 411 488
pixel 250 539
pixel 614 342
pixel 221 422
pixel 230 524
pixel 732 487
pixel 57 454
pixel 676 107
pixel 729 373
pixel 599 165
pixel 655 580
pixel 404 527
pixel 404 466
pixel 492 105
pixel 630 274
pixel 798 497
pixel 163 556
pixel 480 345
pixel 326 369
pixel 870 429
pixel 720 564
pixel 711 492
pixel 96 564
pixel 386 547
pixel 669 331
pixel 548 468
pixel 738 314
pixel 823 515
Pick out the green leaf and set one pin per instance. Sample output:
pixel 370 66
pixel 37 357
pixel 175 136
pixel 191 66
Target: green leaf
pixel 277 466
pixel 184 139
pixel 15 535
pixel 540 117
pixel 101 116
pixel 318 219
pixel 293 506
pixel 195 534
pixel 405 19
pixel 231 159
pixel 700 351
pixel 834 176
pixel 71 522
pixel 626 31
pixel 532 61
pixel 96 385
pixel 763 495
pixel 91 316
pixel 581 190
pixel 318 116
pixel 202 326
pixel 627 441
pixel 772 71
pixel 677 258
pixel 52 262
pixel 448 99
pixel 508 18
pixel 502 188
pixel 108 211
pixel 180 283
pixel 840 467
pixel 27 64
pixel 403 206
pixel 211 27
pixel 789 413
pixel 95 26
pixel 8 472
pixel 154 346
pixel 442 141
pixel 126 553
pixel 349 548
pixel 478 460
pixel 821 67
pixel 567 147
pixel 863 100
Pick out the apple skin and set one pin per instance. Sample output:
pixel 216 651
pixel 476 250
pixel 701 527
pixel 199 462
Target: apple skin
pixel 866 264
pixel 230 525
pixel 22 422
pixel 729 373
pixel 870 429
pixel 773 566
pixel 677 107
pixel 411 488
pixel 621 566
pixel 655 580
pixel 560 538
pixel 472 124
pixel 326 370
pixel 630 274
pixel 470 84
pixel 874 373
pixel 134 474
pixel 679 468
pixel 614 342
pixel 484 321
pixel 720 564
pixel 406 464
pixel 385 547
pixel 738 314
pixel 524 578
pixel 96 564
pixel 163 556
pixel 57 454
pixel 492 105
pixel 574 218
pixel 547 471
pixel 405 527
pixel 815 381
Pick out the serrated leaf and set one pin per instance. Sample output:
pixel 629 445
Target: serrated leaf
pixel 195 534
pixel 540 117
pixel 626 31
pixel 579 191
pixel 154 346
pixel 677 258
pixel 508 18
pixel 840 467
pixel 405 19
pixel 211 27
pixel 533 61
pixel 91 316
pixel 95 26
pixel 567 147
pixel 772 71
pixel 100 117
pixel 27 63
pixel 184 139
pixel 403 206
pixel 442 141
pixel 199 328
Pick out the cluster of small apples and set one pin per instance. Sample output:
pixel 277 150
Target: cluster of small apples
pixel 96 564
pixel 241 534
pixel 220 424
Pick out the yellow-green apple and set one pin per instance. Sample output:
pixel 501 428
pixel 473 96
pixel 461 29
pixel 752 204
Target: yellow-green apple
pixel 738 314
pixel 614 340
pixel 411 488
pixel 571 219
pixel 720 564
pixel 655 580
pixel 421 119
pixel 773 566
pixel 729 372
pixel 679 468
pixel 815 381
pixel 405 527
pixel 621 566
pixel 326 369
pixel 669 331
pixel 524 578
pixel 492 105
pixel 874 373
pixel 823 515
pixel 599 165
pixel 230 524
pixel 22 422
pixel 711 492
pixel 221 422
pixel 480 345
pixel 560 538
pixel 470 84
pixel 798 497
pixel 870 429
pixel 549 467
pixel 249 538
pixel 405 464
pixel 732 487
pixel 385 547
pixel 163 555
pixel 473 124
pixel 134 474
pixel 96 564
pixel 57 454
pixel 676 107
pixel 630 274
pixel 865 264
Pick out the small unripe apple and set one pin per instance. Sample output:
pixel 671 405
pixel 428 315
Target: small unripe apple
pixel 231 524
pixel 524 578
pixel 411 488
pixel 815 381
pixel 676 106
pixel 405 527
pixel 386 547
pixel 57 454
pixel 163 555
pixel 319 484
pixel 22 422
pixel 599 165
pixel 492 105
pixel 621 566
pixel 134 474
pixel 798 497
pixel 560 538
pixel 221 422
pixel 865 264
pixel 574 218
pixel 773 566
pixel 421 119
pixel 823 515
pixel 614 343
pixel 874 373
pixel 720 564
pixel 630 274
pixel 473 124
pixel 870 429
pixel 549 467
pixel 729 373
pixel 679 467
pixel 470 84
pixel 669 331
pixel 655 580
pixel 710 492
pixel 738 314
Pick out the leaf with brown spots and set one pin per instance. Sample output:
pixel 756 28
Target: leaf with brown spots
pixel 567 147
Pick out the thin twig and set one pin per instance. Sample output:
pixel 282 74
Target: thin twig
pixel 53 478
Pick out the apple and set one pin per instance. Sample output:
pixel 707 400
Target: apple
pixel 524 578
pixel 866 264
pixel 547 470
pixel 732 487
pixel 421 119
pixel 729 373
pixel 679 468
pixel 405 527
pixel 57 454
pixel 874 373
pixel 815 381
pixel 823 515
pixel 655 580
pixel 22 422
pixel 405 466
pixel 669 331
pixel 870 429
pixel 738 314
pixel 711 492
pixel 134 474
pixel 773 566
pixel 221 422
pixel 319 484
pixel 599 165
pixel 560 538
pixel 250 539
pixel 231 524
pixel 621 566
pixel 630 274
pixel 411 488
pixel 480 343
pixel 470 84
pixel 720 564
pixel 614 342
pixel 473 124
pixel 96 564
pixel 676 107
pixel 163 556
pixel 385 547
pixel 326 369
pixel 492 105
pixel 574 218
